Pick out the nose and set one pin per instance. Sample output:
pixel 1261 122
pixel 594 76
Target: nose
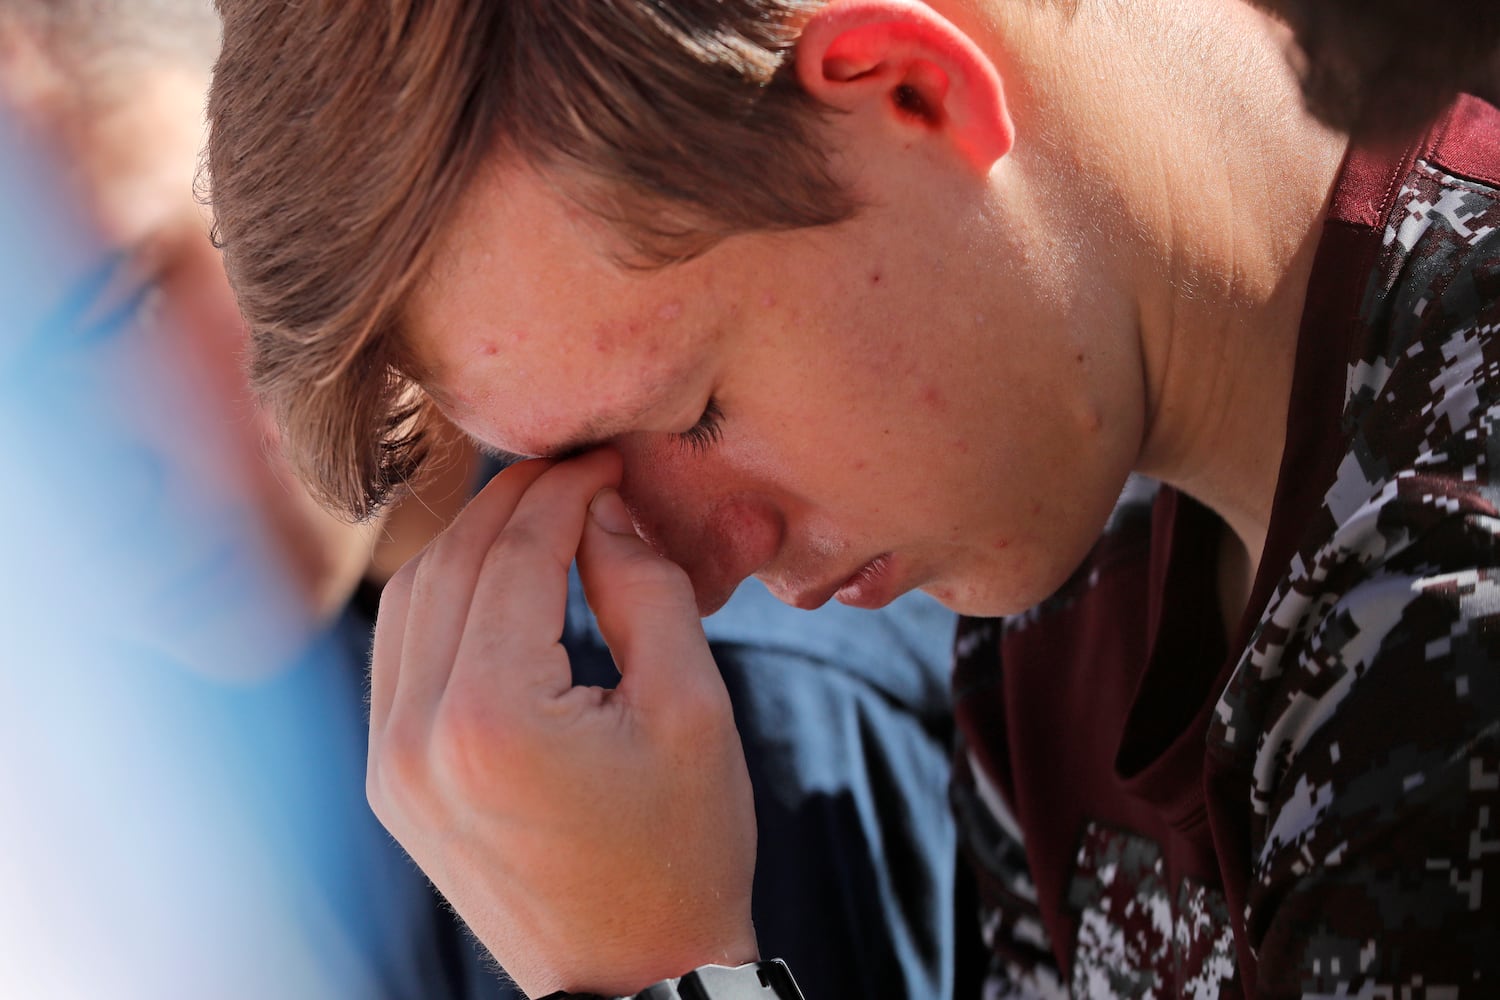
pixel 718 532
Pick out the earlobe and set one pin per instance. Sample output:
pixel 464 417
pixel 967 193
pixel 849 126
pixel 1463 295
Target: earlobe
pixel 905 59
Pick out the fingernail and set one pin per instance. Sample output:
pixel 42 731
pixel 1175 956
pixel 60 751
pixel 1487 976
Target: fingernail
pixel 609 510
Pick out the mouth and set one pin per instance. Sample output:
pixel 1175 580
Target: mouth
pixel 871 586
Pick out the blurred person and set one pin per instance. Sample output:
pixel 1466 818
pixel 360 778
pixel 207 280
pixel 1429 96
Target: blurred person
pixel 115 90
pixel 1069 314
pixel 184 736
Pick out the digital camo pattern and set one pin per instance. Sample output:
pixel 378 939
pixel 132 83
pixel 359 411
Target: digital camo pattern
pixel 1133 940
pixel 1021 964
pixel 1365 712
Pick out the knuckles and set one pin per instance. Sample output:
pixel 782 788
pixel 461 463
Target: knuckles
pixel 521 544
pixel 470 748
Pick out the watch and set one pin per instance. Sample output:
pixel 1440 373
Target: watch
pixel 757 981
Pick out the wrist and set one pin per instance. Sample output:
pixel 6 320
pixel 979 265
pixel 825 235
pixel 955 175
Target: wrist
pixel 632 973
pixel 756 980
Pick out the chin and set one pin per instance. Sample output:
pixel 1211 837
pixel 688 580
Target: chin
pixel 963 601
pixel 993 595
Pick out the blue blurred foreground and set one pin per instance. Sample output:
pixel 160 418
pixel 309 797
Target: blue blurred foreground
pixel 181 752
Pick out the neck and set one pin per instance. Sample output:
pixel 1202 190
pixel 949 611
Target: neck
pixel 1211 183
pixel 1224 196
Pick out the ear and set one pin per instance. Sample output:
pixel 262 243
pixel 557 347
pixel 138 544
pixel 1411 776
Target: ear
pixel 904 60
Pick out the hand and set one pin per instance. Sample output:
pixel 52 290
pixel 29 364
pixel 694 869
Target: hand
pixel 594 840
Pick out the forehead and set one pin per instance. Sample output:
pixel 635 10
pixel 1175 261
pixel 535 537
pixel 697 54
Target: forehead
pixel 530 335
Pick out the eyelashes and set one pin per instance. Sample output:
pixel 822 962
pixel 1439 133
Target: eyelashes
pixel 706 432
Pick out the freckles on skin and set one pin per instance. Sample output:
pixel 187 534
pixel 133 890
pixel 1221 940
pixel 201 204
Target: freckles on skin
pixel 894 358
pixel 647 332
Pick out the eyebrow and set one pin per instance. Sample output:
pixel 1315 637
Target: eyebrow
pixel 594 435
pixel 505 458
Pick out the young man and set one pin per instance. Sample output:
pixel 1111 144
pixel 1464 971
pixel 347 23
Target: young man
pixel 230 566
pixel 875 295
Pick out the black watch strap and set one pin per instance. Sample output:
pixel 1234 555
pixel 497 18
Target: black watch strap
pixel 757 981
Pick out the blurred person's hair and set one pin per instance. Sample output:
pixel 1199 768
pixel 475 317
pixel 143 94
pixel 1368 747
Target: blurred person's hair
pixel 1387 67
pixel 107 42
pixel 343 135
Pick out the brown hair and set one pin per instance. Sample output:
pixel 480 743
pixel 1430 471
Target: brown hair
pixel 1384 67
pixel 342 135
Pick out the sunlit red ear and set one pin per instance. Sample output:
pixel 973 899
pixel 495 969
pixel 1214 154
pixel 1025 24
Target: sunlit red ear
pixel 909 61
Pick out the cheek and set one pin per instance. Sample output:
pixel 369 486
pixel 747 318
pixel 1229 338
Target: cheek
pixel 660 485
pixel 674 491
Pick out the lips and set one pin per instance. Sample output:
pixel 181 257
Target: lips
pixel 873 585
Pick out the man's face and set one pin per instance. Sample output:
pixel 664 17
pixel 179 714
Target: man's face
pixel 904 403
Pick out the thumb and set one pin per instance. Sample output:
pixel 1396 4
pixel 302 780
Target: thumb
pixel 644 603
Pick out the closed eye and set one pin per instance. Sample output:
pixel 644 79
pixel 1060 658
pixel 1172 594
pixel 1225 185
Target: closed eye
pixel 706 432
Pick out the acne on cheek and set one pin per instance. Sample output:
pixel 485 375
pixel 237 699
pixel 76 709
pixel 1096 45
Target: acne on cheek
pixel 608 335
pixel 934 400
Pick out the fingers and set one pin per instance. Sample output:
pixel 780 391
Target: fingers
pixel 439 604
pixel 432 592
pixel 529 803
pixel 385 657
pixel 644 604
pixel 522 589
pixel 443 583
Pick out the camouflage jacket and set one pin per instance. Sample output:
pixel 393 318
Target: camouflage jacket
pixel 1313 808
